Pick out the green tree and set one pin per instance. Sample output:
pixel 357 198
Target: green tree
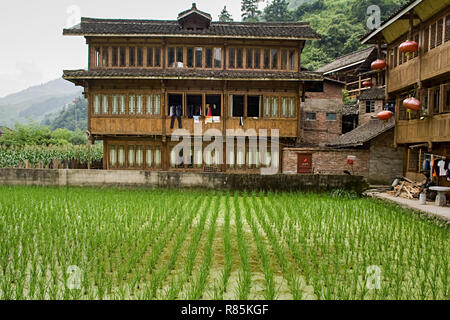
pixel 225 16
pixel 250 11
pixel 277 10
pixel 78 138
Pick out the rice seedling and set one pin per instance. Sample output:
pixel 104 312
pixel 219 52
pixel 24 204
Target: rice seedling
pixel 164 244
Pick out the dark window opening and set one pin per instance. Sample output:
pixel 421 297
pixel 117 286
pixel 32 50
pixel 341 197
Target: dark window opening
pixel 284 59
pixel 238 106
pixel 257 58
pixel 231 58
pixel 208 58
pixel 331 116
pixel 253 106
pixel 105 57
pixel 433 36
pixel 217 57
pixel 115 56
pixel 215 104
pixel 240 58
pixel 132 57
pixel 249 59
pixel 149 57
pixel 175 100
pixel 180 54
pixel 310 116
pixel 370 106
pixel 440 32
pixel 266 59
pixel 194 105
pixel 122 57
pixel 157 57
pixel 274 58
pixel 140 57
pixel 190 57
pixel 292 59
pixel 198 57
pixel 171 57
pixel 447 28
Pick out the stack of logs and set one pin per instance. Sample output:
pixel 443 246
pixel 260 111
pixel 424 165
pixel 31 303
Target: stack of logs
pixel 406 188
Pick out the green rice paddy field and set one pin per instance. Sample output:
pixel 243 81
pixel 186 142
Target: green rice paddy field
pixel 82 243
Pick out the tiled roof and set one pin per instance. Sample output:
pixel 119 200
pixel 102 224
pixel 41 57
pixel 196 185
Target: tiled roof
pixel 117 27
pixel 190 74
pixel 363 134
pixel 373 94
pixel 350 59
pixel 352 109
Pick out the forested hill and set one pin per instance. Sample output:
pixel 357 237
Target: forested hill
pixel 341 23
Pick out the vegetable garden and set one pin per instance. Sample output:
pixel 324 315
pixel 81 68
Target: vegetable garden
pixel 81 243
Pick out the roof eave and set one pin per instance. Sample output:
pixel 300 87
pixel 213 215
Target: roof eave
pixel 69 78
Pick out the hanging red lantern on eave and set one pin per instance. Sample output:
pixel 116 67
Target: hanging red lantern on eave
pixel 385 115
pixel 408 47
pixel 378 65
pixel 412 104
pixel 367 83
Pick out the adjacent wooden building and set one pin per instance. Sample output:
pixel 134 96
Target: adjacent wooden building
pixel 425 75
pixel 216 75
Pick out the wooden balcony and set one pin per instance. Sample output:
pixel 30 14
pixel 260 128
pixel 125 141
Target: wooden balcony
pixel 433 129
pixel 154 126
pixel 434 63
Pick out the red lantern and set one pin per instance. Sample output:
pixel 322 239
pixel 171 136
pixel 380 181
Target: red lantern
pixel 378 65
pixel 409 47
pixel 367 83
pixel 384 115
pixel 412 104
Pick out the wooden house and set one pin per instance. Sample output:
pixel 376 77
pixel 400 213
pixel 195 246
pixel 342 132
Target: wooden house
pixel 423 74
pixel 217 75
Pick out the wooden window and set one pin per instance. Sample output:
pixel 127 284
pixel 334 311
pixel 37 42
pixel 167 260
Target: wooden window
pixel 153 156
pixel 180 56
pixel 149 157
pixel 254 106
pixel 433 36
pixel 231 58
pixel 257 59
pixel 190 58
pixel 209 58
pixel 175 100
pixel 131 156
pixel 446 107
pixel 97 57
pixel 214 101
pixel 291 107
pixel 292 59
pixel 391 58
pixel 440 32
pixel 149 104
pixel 115 105
pixel 121 156
pixel 139 105
pixel 239 58
pixel 275 103
pixel 217 57
pixel 426 39
pixel 400 58
pixel 194 105
pixel 139 156
pixel 435 100
pixel 132 57
pixel 424 100
pixel 105 57
pixel 198 57
pixel 150 57
pixel 267 107
pixel 331 116
pixel 122 99
pixel 157 57
pixel 274 58
pixel 237 105
pixel 97 104
pixel 140 57
pixel 231 157
pixel 122 56
pixel 249 56
pixel 171 57
pixel 131 104
pixel 157 105
pixel 284 107
pixel 416 39
pixel 115 56
pixel 370 106
pixel 105 104
pixel 284 59
pixel 112 156
pixel 447 28
pixel 310 116
pixel 266 59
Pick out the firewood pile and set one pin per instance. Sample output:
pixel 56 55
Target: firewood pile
pixel 406 188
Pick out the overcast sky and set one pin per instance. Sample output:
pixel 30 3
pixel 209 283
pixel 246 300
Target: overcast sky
pixel 34 51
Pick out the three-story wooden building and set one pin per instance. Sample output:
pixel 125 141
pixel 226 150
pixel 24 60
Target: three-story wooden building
pixel 216 75
pixel 425 75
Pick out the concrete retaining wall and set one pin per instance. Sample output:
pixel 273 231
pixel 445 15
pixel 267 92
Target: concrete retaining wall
pixel 219 181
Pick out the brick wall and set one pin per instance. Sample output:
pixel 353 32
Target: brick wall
pixel 328 161
pixel 365 117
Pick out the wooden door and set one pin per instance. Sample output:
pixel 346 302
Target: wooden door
pixel 304 163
